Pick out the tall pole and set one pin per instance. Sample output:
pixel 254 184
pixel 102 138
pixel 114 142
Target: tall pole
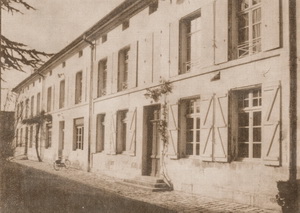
pixel 0 53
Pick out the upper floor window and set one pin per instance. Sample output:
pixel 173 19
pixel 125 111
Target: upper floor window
pixel 32 106
pixel 80 53
pixel 104 38
pixel 49 99
pixel 249 27
pixel 78 88
pixel 189 42
pixel 63 64
pixel 102 77
pixel 26 108
pixel 62 94
pixel 153 6
pixel 38 103
pixel 123 69
pixel 125 25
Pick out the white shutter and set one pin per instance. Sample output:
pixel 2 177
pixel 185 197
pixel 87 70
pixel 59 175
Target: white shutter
pixel 132 74
pixel 115 69
pixel 207 35
pixel 174 48
pixel 156 55
pixel 145 60
pixel 270 24
pixel 173 131
pixel 113 134
pixel 220 152
pixel 271 124
pixel 206 128
pixel 131 133
pixel 109 74
pixel 221 33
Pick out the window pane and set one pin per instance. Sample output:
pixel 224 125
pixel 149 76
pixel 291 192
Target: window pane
pixel 243 35
pixel 198 136
pixel 189 149
pixel 256 31
pixel 255 1
pixel 198 123
pixel 243 150
pixel 256 118
pixel 256 16
pixel 244 119
pixel 197 149
pixel 189 136
pixel 243 134
pixel 243 20
pixel 189 123
pixel 256 150
pixel 243 4
pixel 256 134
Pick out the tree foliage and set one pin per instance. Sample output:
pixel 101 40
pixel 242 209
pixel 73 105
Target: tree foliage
pixel 16 55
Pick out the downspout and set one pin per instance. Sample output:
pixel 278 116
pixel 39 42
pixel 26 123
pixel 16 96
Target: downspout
pixel 92 45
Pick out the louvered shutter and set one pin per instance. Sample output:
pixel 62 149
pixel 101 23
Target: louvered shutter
pixel 207 35
pixel 156 55
pixel 113 134
pixel 110 74
pixel 270 24
pixel 131 132
pixel 115 72
pixel 174 48
pixel 173 131
pixel 132 74
pixel 271 124
pixel 220 151
pixel 206 128
pixel 221 33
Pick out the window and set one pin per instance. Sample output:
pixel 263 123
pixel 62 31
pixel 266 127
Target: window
pixel 50 72
pixel 31 137
pixel 249 123
pixel 100 140
pixel 249 27
pixel 78 88
pixel 153 6
pixel 62 94
pixel 104 38
pixel 31 106
pixel 38 103
pixel 121 130
pixel 190 122
pixel 189 42
pixel 63 64
pixel 102 77
pixel 123 69
pixel 17 137
pixel 125 25
pixel 80 53
pixel 26 108
pixel 48 136
pixel 78 133
pixel 49 99
pixel 21 110
pixel 21 137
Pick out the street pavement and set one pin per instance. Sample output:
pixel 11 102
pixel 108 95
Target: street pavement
pixel 170 201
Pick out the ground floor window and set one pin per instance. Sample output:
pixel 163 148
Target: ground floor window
pixel 31 137
pixel 121 130
pixel 48 136
pixel 78 133
pixel 100 140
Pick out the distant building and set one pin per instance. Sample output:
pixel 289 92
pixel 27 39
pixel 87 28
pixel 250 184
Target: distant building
pixel 228 62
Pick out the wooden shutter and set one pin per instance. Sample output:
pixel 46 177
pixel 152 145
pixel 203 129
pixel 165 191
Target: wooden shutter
pixel 173 131
pixel 132 72
pixel 271 124
pixel 270 24
pixel 207 35
pixel 113 134
pixel 115 71
pixel 220 151
pixel 221 31
pixel 206 128
pixel 156 55
pixel 131 132
pixel 174 48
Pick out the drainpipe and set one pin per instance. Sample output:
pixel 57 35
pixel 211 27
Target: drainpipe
pixel 92 45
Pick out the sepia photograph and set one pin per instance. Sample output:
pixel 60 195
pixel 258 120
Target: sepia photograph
pixel 141 106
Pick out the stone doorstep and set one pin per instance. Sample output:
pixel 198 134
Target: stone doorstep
pixel 148 183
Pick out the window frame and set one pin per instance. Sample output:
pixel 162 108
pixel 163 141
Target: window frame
pixel 48 141
pixel 121 131
pixel 102 77
pixel 100 133
pixel 123 68
pixel 49 99
pixel 79 87
pixel 78 140
pixel 62 92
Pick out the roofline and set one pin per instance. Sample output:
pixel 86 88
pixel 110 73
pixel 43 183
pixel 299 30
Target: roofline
pixel 107 20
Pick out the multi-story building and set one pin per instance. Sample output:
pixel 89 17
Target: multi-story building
pixel 229 113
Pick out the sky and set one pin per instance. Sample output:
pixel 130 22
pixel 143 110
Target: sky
pixel 52 26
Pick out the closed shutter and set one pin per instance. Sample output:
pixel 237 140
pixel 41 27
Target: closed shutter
pixel 173 131
pixel 271 124
pixel 132 74
pixel 156 55
pixel 221 33
pixel 206 128
pixel 113 134
pixel 207 35
pixel 131 136
pixel 174 48
pixel 221 128
pixel 270 24
pixel 110 74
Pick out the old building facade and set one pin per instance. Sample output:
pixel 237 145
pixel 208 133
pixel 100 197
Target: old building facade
pixel 228 113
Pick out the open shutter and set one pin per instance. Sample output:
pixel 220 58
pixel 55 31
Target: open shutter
pixel 221 128
pixel 115 72
pixel 271 124
pixel 131 135
pixel 174 48
pixel 221 31
pixel 173 131
pixel 207 35
pixel 113 134
pixel 206 128
pixel 156 55
pixel 270 24
pixel 132 81
pixel 109 77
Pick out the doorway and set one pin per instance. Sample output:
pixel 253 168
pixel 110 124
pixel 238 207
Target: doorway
pixel 151 145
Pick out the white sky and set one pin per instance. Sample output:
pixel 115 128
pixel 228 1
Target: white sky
pixel 52 26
